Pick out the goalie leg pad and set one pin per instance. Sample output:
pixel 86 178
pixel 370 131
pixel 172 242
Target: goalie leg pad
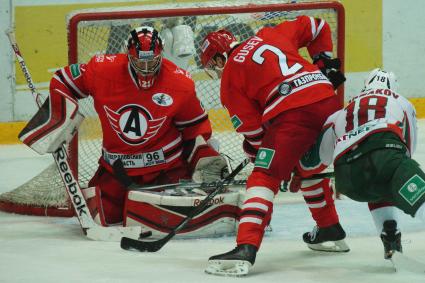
pixel 160 212
pixel 55 123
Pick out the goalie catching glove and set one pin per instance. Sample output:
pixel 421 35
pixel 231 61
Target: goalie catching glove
pixel 330 68
pixel 55 123
pixel 205 163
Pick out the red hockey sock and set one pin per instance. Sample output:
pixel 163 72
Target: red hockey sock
pixel 257 208
pixel 318 195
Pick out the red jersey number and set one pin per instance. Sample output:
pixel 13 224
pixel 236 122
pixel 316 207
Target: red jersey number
pixel 258 58
pixel 374 103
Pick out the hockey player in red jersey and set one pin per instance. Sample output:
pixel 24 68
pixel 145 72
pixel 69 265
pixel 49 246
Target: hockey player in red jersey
pixel 154 127
pixel 279 102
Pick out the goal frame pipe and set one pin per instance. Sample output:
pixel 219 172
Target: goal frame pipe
pixel 203 11
pixel 117 15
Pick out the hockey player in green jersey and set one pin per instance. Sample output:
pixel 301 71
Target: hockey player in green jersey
pixel 370 143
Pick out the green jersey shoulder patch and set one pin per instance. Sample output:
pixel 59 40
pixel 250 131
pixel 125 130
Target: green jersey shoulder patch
pixel 75 70
pixel 236 122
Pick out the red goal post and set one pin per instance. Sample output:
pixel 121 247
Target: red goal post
pixel 103 30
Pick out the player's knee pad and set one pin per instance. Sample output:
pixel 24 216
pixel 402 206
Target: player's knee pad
pixel 408 186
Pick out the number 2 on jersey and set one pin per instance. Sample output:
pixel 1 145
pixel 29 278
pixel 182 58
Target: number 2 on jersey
pixel 257 57
pixel 368 108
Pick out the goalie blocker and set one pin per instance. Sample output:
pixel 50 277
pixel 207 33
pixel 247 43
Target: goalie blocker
pixel 161 211
pixel 49 129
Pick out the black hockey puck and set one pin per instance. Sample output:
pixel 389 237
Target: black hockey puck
pixel 145 234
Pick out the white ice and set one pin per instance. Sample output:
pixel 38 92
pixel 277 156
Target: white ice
pixel 48 249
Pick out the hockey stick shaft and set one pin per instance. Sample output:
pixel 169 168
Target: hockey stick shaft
pixel 191 185
pixel 153 246
pixel 60 155
pixel 11 35
pixel 215 183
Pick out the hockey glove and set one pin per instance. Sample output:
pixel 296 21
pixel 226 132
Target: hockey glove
pixel 295 184
pixel 250 151
pixel 55 123
pixel 330 68
pixel 205 163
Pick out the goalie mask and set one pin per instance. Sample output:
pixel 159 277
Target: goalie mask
pixel 145 47
pixel 381 79
pixel 215 50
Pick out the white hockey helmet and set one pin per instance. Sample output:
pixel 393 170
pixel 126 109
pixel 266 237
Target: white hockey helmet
pixel 379 78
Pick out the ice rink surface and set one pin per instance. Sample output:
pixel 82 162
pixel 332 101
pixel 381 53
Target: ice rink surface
pixel 48 249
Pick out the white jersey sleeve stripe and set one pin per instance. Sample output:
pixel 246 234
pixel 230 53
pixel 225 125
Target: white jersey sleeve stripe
pixel 319 29
pixel 252 133
pixel 313 28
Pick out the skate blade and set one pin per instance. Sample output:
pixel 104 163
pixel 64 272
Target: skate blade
pixel 402 262
pixel 233 268
pixel 331 246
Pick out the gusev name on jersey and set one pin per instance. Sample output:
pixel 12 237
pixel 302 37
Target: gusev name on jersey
pixel 145 128
pixel 372 111
pixel 266 75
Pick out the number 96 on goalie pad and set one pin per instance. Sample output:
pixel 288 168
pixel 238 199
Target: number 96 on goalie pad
pixel 160 212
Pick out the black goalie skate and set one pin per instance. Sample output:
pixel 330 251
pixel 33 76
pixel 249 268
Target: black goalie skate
pixel 237 262
pixel 391 238
pixel 328 239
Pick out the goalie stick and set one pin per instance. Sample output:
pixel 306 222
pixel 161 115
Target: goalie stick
pixel 153 246
pixel 194 185
pixel 90 228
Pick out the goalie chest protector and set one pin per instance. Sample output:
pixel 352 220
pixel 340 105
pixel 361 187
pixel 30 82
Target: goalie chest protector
pixel 160 212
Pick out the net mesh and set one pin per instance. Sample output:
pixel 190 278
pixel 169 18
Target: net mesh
pixel 107 35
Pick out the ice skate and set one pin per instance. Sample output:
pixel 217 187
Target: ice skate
pixel 235 263
pixel 328 239
pixel 391 238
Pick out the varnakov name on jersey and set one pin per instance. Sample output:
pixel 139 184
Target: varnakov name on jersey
pixel 372 111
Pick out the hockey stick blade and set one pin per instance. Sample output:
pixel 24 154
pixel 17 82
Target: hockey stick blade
pixel 156 245
pixel 142 246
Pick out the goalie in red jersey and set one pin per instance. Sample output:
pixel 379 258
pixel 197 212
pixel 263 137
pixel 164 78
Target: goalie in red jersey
pixel 279 102
pixel 155 130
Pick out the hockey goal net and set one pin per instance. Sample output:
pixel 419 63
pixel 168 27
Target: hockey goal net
pixel 103 31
